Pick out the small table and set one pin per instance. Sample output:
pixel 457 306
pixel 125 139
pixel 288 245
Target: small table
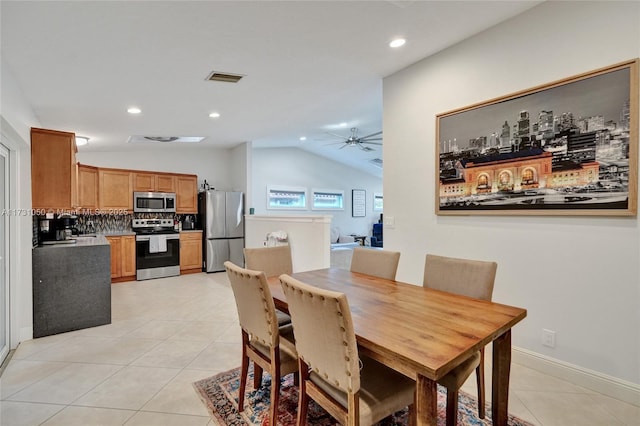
pixel 359 238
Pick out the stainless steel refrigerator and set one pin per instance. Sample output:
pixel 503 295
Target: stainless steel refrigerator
pixel 222 218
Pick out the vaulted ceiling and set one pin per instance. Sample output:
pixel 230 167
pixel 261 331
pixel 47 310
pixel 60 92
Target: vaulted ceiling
pixel 310 68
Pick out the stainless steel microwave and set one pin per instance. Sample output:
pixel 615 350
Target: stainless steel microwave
pixel 154 202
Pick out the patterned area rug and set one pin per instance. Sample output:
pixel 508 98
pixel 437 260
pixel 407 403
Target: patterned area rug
pixel 220 394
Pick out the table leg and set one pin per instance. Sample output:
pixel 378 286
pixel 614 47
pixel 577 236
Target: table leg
pixel 500 378
pixel 426 401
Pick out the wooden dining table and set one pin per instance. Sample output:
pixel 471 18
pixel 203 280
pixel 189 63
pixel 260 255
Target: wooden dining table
pixel 420 332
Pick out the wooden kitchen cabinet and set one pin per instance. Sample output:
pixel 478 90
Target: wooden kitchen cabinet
pixel 87 187
pixel 186 194
pixel 54 171
pixel 115 190
pixel 190 252
pixel 116 257
pixel 129 256
pixel 123 258
pixel 148 182
pixel 165 183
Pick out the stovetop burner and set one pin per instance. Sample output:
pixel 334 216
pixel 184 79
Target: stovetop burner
pixel 153 226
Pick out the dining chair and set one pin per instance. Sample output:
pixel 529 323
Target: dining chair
pixel 379 263
pixel 273 261
pixel 354 390
pixel 472 278
pixel 270 347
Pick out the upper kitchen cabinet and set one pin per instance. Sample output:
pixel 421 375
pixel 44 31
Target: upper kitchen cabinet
pixel 54 176
pixel 157 182
pixel 187 193
pixel 115 192
pixel 87 187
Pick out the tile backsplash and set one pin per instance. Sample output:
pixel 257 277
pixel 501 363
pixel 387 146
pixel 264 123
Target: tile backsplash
pixel 106 224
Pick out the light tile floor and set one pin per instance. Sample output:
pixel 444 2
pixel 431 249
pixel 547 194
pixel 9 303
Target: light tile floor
pixel 167 333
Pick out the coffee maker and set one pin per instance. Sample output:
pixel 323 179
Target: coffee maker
pixel 59 228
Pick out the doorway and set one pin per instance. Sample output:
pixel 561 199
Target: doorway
pixel 4 253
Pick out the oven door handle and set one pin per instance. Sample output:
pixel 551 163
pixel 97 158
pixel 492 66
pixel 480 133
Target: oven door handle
pixel 148 237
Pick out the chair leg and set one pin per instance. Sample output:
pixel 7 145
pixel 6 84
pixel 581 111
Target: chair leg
pixel 452 407
pixel 244 370
pixel 275 400
pixel 481 386
pixel 413 415
pixel 303 399
pixel 275 386
pixel 257 376
pixel 244 373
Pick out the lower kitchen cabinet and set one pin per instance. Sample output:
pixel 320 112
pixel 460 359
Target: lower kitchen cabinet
pixel 190 252
pixel 123 257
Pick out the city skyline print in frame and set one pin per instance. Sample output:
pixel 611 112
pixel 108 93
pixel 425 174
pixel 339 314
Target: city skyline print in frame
pixel 569 147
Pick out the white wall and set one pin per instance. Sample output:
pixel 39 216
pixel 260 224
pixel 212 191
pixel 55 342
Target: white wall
pixel 212 164
pixel 578 276
pixel 295 167
pixel 16 120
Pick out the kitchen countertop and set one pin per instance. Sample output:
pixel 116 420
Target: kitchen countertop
pixel 187 231
pixel 117 233
pixel 98 240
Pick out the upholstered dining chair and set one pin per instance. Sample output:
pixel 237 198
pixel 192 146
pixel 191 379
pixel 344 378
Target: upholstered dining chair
pixel 473 278
pixel 273 261
pixel 270 347
pixel 354 390
pixel 379 263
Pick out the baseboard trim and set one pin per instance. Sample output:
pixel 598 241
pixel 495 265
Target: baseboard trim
pixel 26 333
pixel 593 380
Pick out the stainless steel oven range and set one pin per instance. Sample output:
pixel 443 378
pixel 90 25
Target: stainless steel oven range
pixel 157 248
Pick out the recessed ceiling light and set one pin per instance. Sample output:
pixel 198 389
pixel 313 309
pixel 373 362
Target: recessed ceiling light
pixel 134 110
pixel 397 42
pixel 81 140
pixel 303 138
pixel 214 115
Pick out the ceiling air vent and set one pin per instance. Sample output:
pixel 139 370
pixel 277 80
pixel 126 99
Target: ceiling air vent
pixel 165 139
pixel 224 77
pixel 376 162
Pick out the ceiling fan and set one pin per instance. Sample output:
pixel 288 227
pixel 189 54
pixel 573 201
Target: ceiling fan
pixel 360 142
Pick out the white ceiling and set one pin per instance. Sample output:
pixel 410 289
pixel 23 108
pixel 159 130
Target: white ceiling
pixel 309 66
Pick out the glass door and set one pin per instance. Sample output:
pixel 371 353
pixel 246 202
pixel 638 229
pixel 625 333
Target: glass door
pixel 4 252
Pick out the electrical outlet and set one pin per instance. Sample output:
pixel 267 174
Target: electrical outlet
pixel 548 338
pixel 389 221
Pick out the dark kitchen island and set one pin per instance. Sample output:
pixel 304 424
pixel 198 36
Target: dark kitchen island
pixel 71 286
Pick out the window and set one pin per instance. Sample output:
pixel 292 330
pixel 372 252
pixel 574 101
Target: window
pixel 328 199
pixel 377 202
pixel 291 198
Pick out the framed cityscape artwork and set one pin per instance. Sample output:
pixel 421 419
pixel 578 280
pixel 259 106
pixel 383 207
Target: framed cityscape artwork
pixel 565 148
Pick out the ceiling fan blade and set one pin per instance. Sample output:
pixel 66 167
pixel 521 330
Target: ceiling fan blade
pixel 372 139
pixel 337 135
pixel 371 143
pixel 372 134
pixel 344 146
pixel 365 148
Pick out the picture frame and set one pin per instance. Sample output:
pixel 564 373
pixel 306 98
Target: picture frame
pixel 569 147
pixel 358 203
